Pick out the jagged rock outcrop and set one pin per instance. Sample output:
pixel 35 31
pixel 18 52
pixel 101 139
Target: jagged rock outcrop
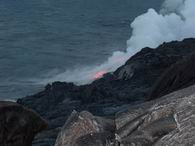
pixel 178 76
pixel 18 125
pixel 169 120
pixel 83 129
pixel 132 82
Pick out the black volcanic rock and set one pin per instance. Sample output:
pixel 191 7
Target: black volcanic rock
pixel 18 125
pixel 132 82
pixel 178 76
pixel 134 79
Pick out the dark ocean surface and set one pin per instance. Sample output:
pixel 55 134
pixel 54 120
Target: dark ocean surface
pixel 39 38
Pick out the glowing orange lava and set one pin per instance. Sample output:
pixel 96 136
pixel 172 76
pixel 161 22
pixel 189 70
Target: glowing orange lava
pixel 99 74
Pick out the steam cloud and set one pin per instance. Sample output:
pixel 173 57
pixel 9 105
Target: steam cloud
pixel 175 21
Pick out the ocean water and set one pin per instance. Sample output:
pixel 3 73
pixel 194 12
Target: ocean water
pixel 40 38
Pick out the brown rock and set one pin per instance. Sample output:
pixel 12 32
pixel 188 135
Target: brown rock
pixel 18 125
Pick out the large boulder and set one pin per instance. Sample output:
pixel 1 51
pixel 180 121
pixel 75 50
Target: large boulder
pixel 168 120
pixel 84 129
pixel 18 125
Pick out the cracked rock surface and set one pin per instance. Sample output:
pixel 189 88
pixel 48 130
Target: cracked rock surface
pixel 82 129
pixel 169 120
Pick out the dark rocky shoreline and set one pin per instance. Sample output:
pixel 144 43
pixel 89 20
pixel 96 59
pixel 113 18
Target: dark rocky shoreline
pixel 130 84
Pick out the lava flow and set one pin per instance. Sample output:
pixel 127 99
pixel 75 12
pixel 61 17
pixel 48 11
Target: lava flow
pixel 99 74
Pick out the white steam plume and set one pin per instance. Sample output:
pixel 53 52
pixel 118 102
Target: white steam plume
pixel 175 21
pixel 172 6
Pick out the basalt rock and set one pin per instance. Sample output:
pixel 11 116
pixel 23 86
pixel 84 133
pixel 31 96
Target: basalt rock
pixel 178 76
pixel 168 120
pixel 82 129
pixel 18 125
pixel 130 83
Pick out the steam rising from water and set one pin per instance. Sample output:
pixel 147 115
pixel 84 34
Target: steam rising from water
pixel 175 21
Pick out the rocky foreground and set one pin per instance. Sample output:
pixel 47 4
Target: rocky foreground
pixel 168 121
pixel 148 75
